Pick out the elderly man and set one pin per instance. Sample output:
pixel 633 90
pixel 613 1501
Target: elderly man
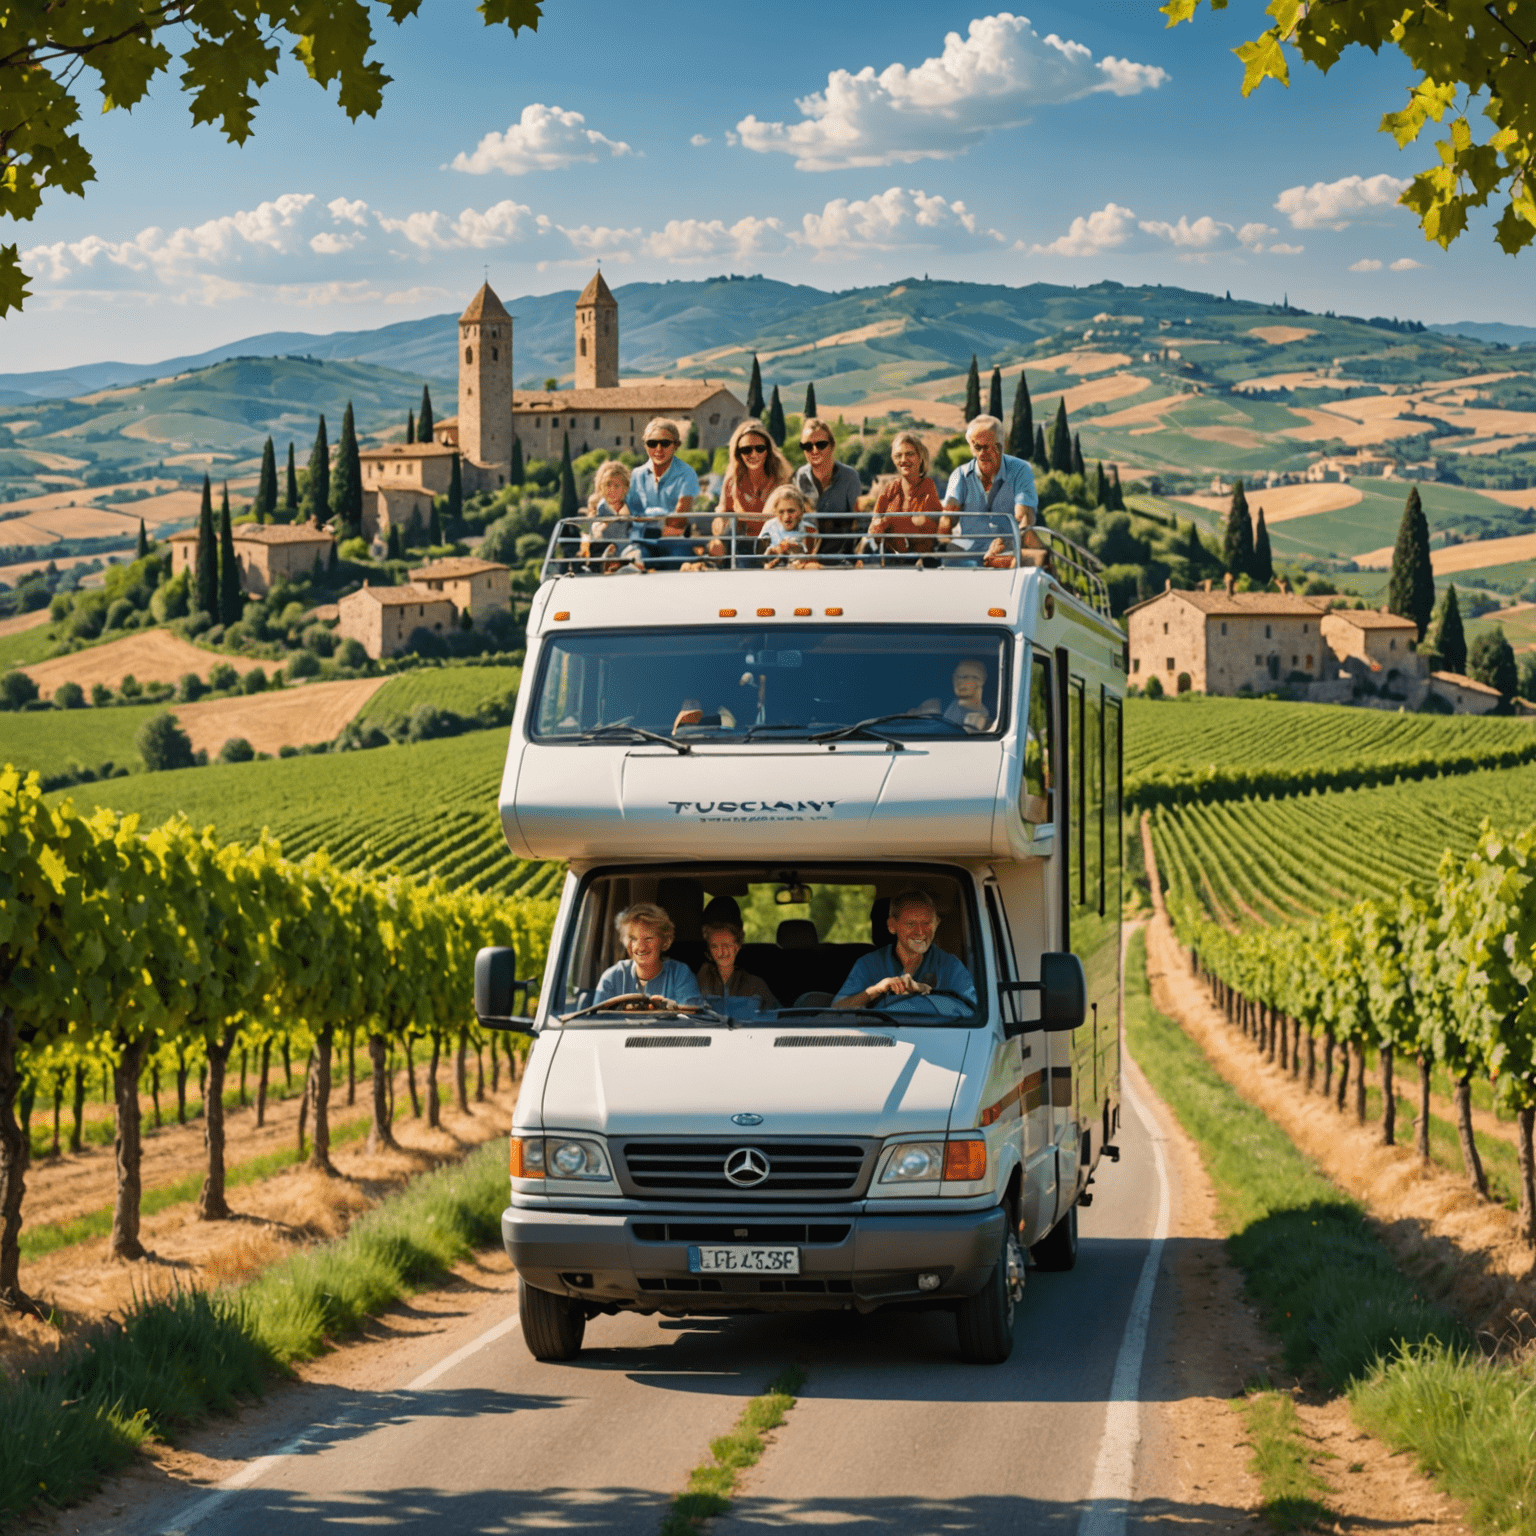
pixel 666 482
pixel 832 488
pixel 910 975
pixel 647 933
pixel 992 493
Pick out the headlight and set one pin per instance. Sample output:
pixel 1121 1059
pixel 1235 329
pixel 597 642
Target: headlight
pixel 558 1157
pixel 914 1161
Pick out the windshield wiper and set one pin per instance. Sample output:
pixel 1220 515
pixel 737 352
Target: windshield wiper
pixel 636 732
pixel 754 729
pixel 862 728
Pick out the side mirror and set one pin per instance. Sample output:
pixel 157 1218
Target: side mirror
pixel 1063 992
pixel 496 989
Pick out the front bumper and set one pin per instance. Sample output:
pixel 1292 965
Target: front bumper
pixel 639 1262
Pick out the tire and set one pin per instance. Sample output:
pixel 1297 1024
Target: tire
pixel 552 1325
pixel 985 1321
pixel 1056 1252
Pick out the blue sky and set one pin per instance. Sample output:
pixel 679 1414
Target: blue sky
pixel 836 145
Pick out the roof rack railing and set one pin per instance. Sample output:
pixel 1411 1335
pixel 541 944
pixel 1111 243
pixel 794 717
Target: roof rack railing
pixel 610 546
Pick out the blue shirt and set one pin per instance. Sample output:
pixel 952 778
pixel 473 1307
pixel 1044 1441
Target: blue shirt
pixel 939 969
pixel 645 493
pixel 675 981
pixel 1013 487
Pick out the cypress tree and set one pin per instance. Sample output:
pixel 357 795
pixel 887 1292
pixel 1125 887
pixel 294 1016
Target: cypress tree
pixel 291 490
pixel 456 487
pixel 693 435
pixel 207 555
pixel 1492 661
pixel 424 421
pixel 1101 487
pixel 1237 549
pixel 995 395
pixel 393 550
pixel 231 604
pixel 143 541
pixel 434 526
pixel 776 418
pixel 1411 590
pixel 1021 430
pixel 518 472
pixel 410 426
pixel 266 487
pixel 1451 639
pixel 1078 467
pixel 755 390
pixel 1118 504
pixel 347 483
pixel 1061 440
pixel 972 393
pixel 568 502
pixel 810 400
pixel 317 492
pixel 1041 458
pixel 1263 563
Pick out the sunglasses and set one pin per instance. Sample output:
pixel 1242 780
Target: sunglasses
pixel 661 442
pixel 753 448
pixel 819 446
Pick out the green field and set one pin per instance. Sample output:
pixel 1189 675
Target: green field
pixel 1372 522
pixel 1519 624
pixel 425 808
pixel 1287 860
pixel 1196 732
pixel 30 645
pixel 51 740
pixel 462 689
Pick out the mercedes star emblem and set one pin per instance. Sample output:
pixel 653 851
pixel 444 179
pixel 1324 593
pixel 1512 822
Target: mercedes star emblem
pixel 746 1118
pixel 747 1167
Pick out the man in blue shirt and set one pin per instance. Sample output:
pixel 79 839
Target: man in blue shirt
pixel 647 932
pixel 910 976
pixel 995 491
pixel 666 482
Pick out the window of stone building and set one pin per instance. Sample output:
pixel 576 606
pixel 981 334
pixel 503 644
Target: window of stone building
pixel 1294 662
pixel 469 354
pixel 1165 629
pixel 714 420
pixel 1136 664
pixel 1309 661
pixel 597 422
pixel 1223 627
pixel 1170 663
pixel 1392 645
pixel 1258 661
pixel 1303 629
pixel 1266 632
pixel 583 346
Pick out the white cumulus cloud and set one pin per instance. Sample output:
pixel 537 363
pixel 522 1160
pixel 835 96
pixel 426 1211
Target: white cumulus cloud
pixel 344 212
pixel 500 224
pixel 1365 264
pixel 699 140
pixel 991 79
pixel 891 220
pixel 1334 204
pixel 543 139
pixel 1111 226
pixel 1258 239
pixel 1405 264
pixel 1200 235
pixel 701 239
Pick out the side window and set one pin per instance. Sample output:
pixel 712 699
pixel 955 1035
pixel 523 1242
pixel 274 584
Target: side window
pixel 1039 748
pixel 1078 768
pixel 1093 820
pixel 1010 1002
pixel 1114 849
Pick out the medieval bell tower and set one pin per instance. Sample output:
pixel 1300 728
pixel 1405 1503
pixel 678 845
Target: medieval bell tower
pixel 485 385
pixel 597 337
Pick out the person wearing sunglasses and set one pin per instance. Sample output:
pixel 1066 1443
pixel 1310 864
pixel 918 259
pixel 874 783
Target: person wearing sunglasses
pixel 666 483
pixel 986 497
pixel 755 470
pixel 833 489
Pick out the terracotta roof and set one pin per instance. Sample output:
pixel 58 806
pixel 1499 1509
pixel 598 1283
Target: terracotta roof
pixel 187 536
pixel 447 570
pixel 1457 680
pixel 642 399
pixel 408 451
pixel 1255 605
pixel 324 614
pixel 1372 618
pixel 397 597
pixel 280 533
pixel 485 306
pixel 596 292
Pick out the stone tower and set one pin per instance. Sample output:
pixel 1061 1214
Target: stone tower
pixel 485 385
pixel 597 337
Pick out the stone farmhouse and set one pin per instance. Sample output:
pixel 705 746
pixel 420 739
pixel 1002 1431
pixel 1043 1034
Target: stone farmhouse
pixel 399 482
pixel 264 551
pixel 476 587
pixel 383 619
pixel 1225 641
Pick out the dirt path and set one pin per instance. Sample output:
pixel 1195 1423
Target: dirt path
pixel 296 717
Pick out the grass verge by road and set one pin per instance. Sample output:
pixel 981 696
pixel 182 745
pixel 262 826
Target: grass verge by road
pixel 168 1364
pixel 1347 1319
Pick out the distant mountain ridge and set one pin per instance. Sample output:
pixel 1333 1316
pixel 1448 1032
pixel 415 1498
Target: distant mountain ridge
pixel 1490 330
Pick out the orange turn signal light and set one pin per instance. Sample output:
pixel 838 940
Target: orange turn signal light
pixel 834 613
pixel 802 613
pixel 519 1164
pixel 727 613
pixel 561 617
pixel 965 1160
pixel 997 613
pixel 765 613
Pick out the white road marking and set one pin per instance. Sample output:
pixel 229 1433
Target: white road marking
pixel 1114 1473
pixel 252 1471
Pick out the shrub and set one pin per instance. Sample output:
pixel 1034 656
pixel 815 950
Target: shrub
pixel 118 614
pixel 352 654
pixel 169 600
pixel 214 634
pixel 190 688
pixel 233 637
pixel 254 681
pixel 303 664
pixel 320 640
pixel 69 696
pixel 163 744
pixel 426 642
pixel 530 546
pixel 352 549
pixel 428 722
pixel 1154 687
pixel 85 621
pixel 129 687
pixel 100 695
pixel 236 750
pixel 58 608
pixel 223 676
pixel 198 622
pixel 16 690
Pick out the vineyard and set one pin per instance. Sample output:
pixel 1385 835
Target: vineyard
pixel 422 809
pixel 118 946
pixel 462 689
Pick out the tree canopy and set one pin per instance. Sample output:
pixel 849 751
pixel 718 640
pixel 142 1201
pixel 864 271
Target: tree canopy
pixel 1467 55
pixel 226 49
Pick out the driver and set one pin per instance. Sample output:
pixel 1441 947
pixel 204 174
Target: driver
pixel 647 933
pixel 900 977
pixel 969 706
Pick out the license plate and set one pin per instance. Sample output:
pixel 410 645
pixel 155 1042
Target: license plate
pixel 743 1261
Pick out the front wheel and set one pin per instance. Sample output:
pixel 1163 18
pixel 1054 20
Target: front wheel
pixel 1057 1250
pixel 552 1325
pixel 985 1321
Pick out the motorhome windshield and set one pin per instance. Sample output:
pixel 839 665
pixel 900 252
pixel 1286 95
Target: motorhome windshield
pixel 785 684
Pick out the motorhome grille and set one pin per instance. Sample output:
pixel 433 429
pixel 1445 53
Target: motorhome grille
pixel 808 1042
pixel 831 1169
pixel 635 1042
pixel 741 1232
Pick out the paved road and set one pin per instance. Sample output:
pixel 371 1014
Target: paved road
pixel 891 1432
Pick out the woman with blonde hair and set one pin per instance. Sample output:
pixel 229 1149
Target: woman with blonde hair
pixel 906 520
pixel 754 469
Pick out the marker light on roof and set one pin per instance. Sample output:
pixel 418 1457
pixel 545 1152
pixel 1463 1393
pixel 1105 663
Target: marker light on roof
pixel 834 613
pixel 997 613
pixel 561 617
pixel 727 613
pixel 802 613
pixel 765 613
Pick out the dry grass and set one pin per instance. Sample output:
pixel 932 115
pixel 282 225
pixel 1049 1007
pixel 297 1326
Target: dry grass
pixel 1281 503
pixel 851 338
pixel 1278 335
pixel 1116 387
pixel 293 718
pixel 154 656
pixel 1148 411
pixel 1081 361
pixel 22 622
pixel 1462 557
pixel 1525 498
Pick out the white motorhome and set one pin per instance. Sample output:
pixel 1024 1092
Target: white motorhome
pixel 793 748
